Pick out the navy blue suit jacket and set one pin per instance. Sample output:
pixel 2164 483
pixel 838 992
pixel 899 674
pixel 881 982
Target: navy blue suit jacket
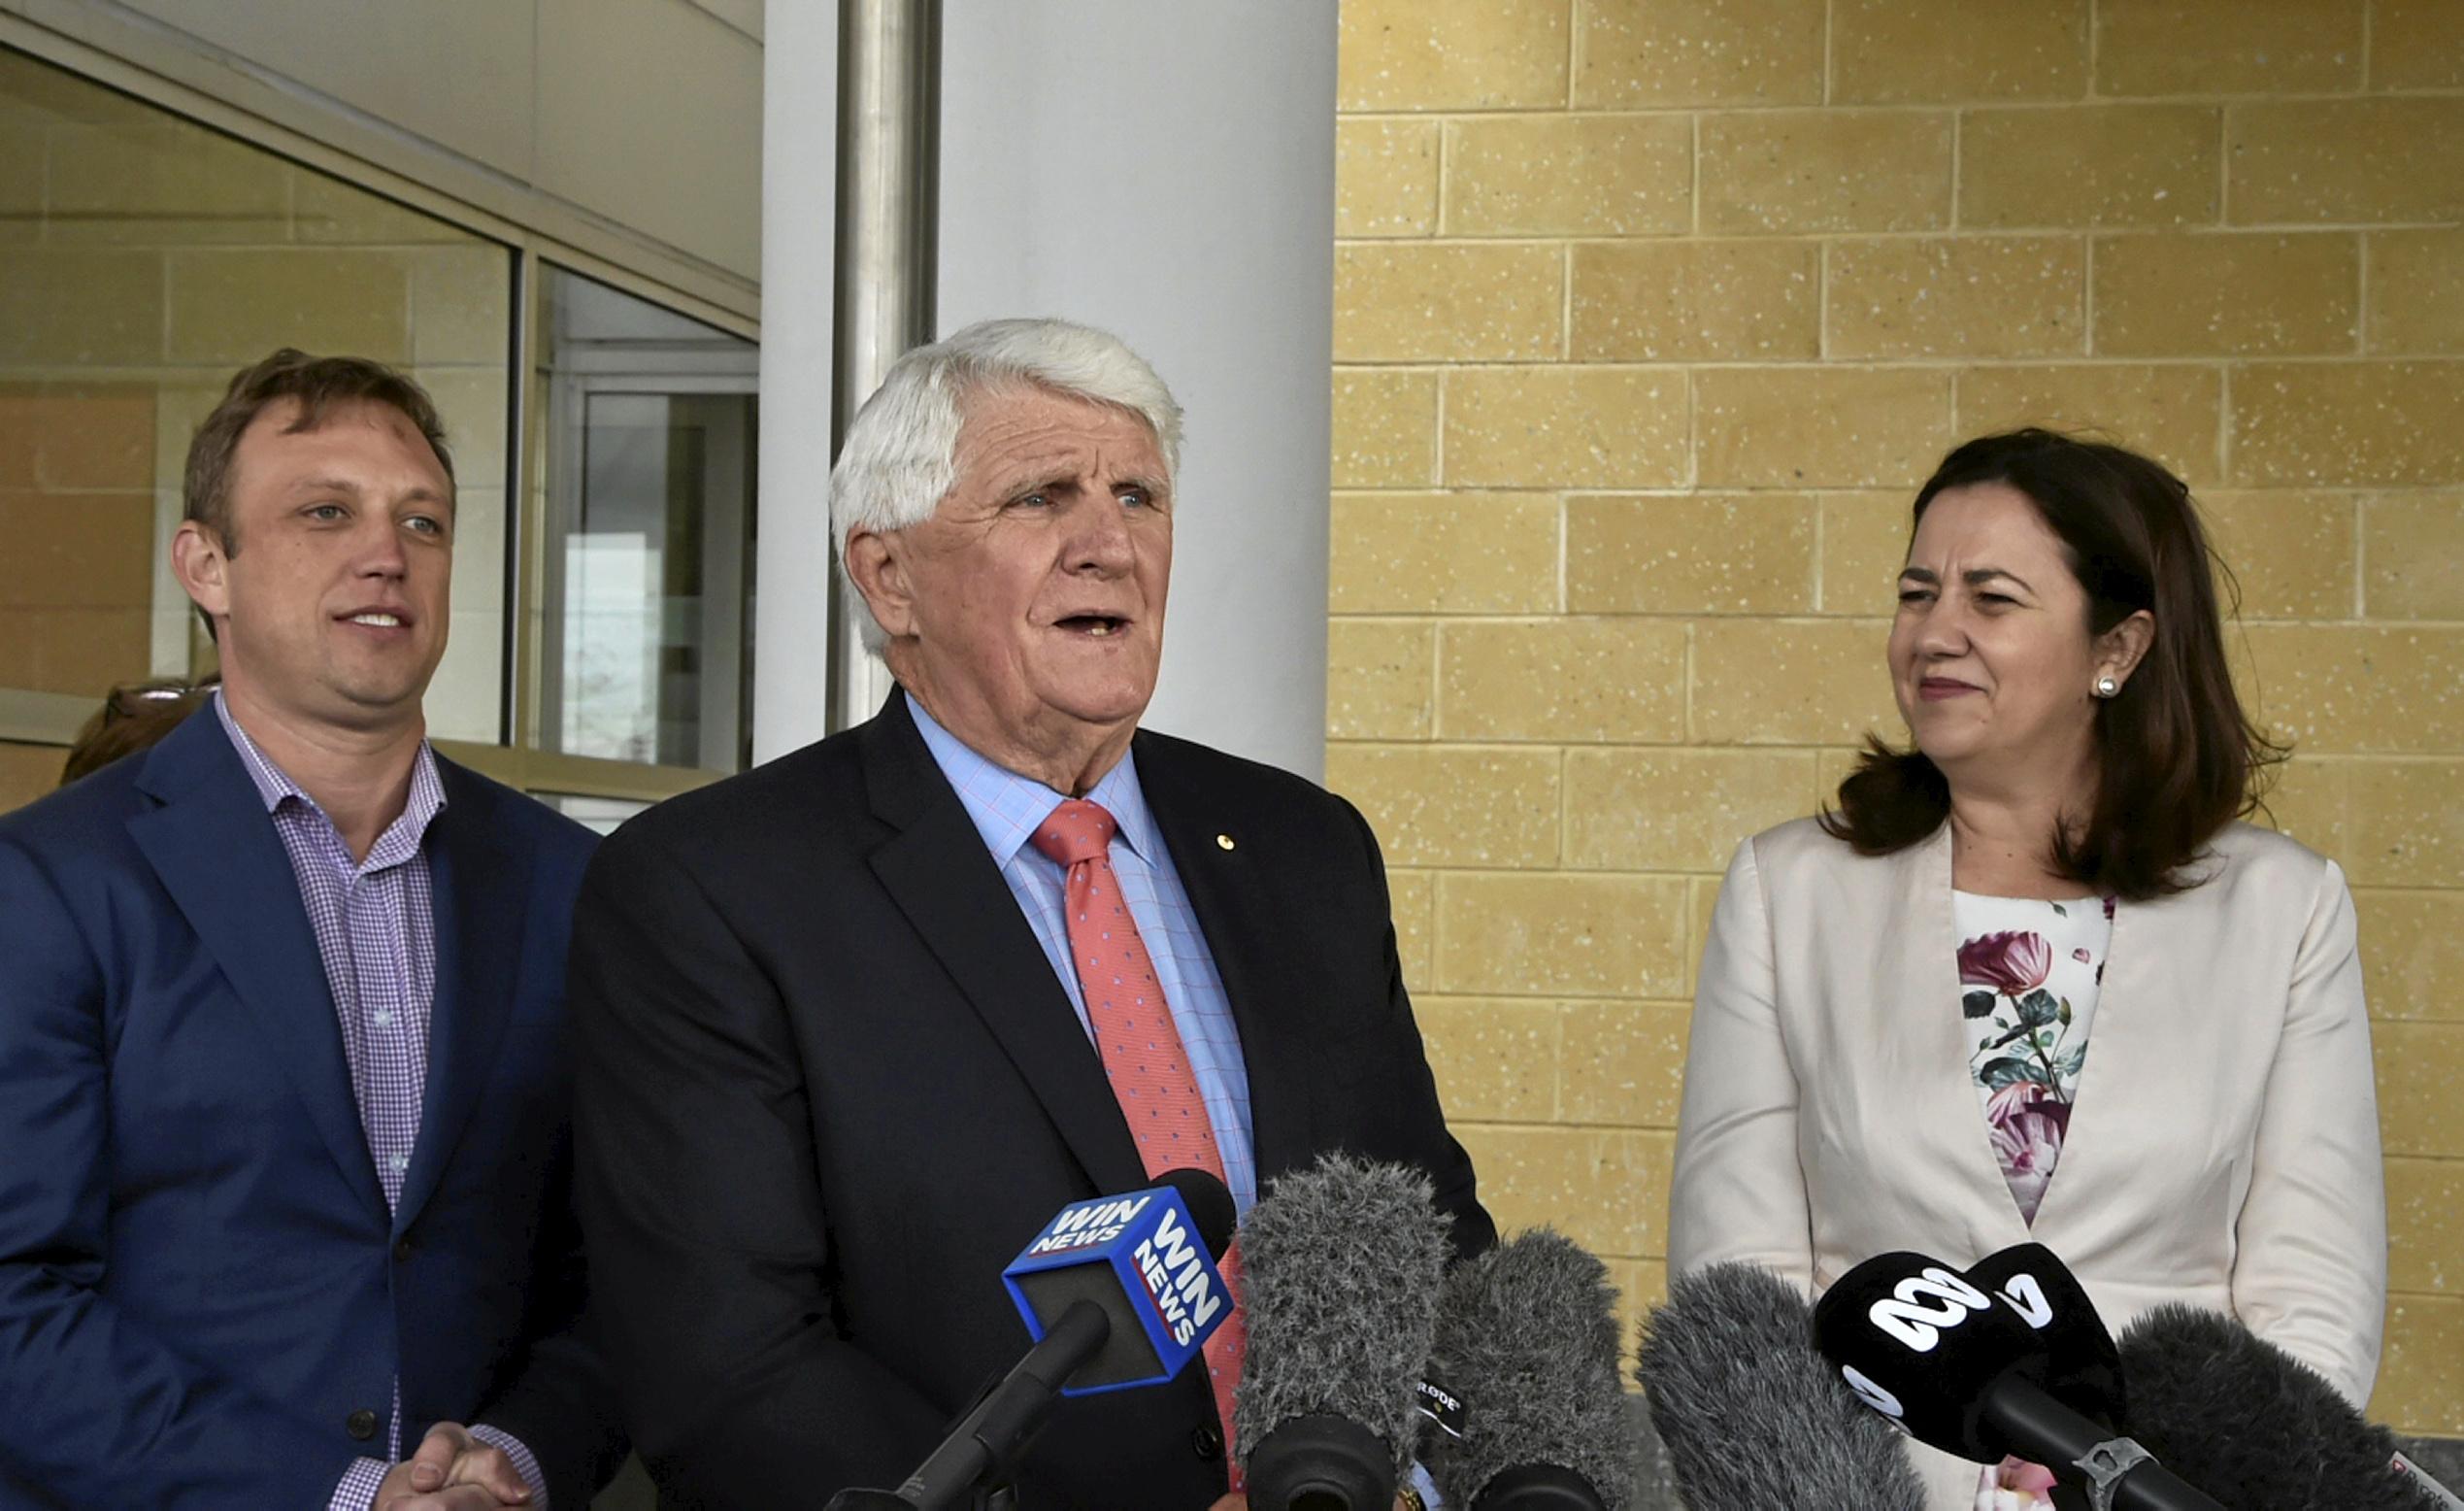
pixel 200 1286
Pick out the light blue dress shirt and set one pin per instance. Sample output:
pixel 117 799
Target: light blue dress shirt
pixel 1007 809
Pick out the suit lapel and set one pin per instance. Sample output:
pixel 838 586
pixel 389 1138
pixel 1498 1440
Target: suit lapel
pixel 1235 903
pixel 217 853
pixel 478 888
pixel 938 872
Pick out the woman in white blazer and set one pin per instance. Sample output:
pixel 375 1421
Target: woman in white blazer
pixel 2033 980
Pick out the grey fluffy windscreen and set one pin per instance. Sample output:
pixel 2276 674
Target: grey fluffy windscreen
pixel 1752 1416
pixel 1340 1266
pixel 1527 1334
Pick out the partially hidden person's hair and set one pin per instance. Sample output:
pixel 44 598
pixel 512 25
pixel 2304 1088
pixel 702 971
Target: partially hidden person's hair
pixel 901 454
pixel 2178 757
pixel 319 385
pixel 132 719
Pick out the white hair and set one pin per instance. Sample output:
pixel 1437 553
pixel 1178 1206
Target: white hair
pixel 901 455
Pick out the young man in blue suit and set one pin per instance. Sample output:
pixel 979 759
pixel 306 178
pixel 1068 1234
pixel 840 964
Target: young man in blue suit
pixel 285 1152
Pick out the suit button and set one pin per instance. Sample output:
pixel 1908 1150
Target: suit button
pixel 1207 1442
pixel 361 1424
pixel 402 1252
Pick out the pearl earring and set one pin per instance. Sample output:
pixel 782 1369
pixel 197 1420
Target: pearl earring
pixel 2107 686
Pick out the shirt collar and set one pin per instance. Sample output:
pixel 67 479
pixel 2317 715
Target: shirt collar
pixel 1007 808
pixel 274 786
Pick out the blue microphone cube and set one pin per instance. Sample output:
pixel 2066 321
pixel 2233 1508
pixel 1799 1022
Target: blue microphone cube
pixel 1140 1259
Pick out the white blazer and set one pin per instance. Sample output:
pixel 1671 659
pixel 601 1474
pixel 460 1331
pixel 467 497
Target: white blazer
pixel 2224 1146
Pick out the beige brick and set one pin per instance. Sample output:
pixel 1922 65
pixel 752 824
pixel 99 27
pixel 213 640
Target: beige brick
pixel 2356 689
pixel 472 400
pixel 1451 54
pixel 1436 805
pixel 2423 1197
pixel 234 307
pixel 1417 302
pixel 1801 171
pixel 2171 412
pixel 23 161
pixel 1791 682
pixel 1702 894
pixel 2310 799
pixel 78 651
pixel 1710 53
pixel 2417 293
pixel 1379 679
pixel 2407 828
pixel 2421 1375
pixel 2090 165
pixel 95 435
pixel 1890 50
pixel 1606 1188
pixel 1526 935
pixel 1864 545
pixel 2418 1067
pixel 327 210
pixel 1820 427
pixel 461 305
pixel 2232 294
pixel 2416 44
pixel 24 415
pixel 164 184
pixel 2411 952
pixel 1444 554
pixel 2344 160
pixel 78 306
pixel 2348 423
pixel 1565 427
pixel 2227 47
pixel 1495 1058
pixel 1386 428
pixel 1413 902
pixel 1562 679
pixel 2291 552
pixel 1677 810
pixel 1700 553
pixel 27 772
pixel 1962 296
pixel 91 551
pixel 1385 178
pixel 1625 1064
pixel 1687 301
pixel 2413 556
pixel 1569 176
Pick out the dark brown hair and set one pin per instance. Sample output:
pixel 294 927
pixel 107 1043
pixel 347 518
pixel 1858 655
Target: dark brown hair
pixel 131 720
pixel 2176 757
pixel 319 384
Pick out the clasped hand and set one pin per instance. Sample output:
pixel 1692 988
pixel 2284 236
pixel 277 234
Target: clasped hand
pixel 453 1471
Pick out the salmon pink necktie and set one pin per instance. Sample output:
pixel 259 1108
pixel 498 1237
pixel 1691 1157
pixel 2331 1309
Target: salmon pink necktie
pixel 1141 1049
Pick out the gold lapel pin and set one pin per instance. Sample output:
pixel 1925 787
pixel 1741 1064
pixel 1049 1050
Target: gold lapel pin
pixel 1223 841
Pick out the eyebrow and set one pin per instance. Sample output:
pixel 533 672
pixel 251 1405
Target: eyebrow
pixel 427 495
pixel 1975 576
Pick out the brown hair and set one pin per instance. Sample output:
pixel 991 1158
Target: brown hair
pixel 131 720
pixel 319 384
pixel 2176 757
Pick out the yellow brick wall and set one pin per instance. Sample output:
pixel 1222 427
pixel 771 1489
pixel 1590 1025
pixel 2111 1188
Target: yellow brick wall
pixel 1648 319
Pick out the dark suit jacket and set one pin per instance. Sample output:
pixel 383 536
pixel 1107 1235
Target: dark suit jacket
pixel 199 1282
pixel 829 1087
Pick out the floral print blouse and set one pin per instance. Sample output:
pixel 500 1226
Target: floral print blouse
pixel 2030 972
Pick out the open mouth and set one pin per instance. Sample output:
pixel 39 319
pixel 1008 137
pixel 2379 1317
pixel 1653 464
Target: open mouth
pixel 374 619
pixel 1096 625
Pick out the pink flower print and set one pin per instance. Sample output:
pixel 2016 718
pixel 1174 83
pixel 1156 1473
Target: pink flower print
pixel 2027 1121
pixel 2015 1485
pixel 2079 954
pixel 2109 910
pixel 2012 962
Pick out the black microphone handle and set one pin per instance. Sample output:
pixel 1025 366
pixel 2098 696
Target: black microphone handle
pixel 2059 1437
pixel 999 1428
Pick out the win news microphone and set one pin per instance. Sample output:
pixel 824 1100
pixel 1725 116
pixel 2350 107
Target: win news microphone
pixel 1967 1373
pixel 1339 1270
pixel 1527 1336
pixel 1118 1291
pixel 2254 1425
pixel 1751 1415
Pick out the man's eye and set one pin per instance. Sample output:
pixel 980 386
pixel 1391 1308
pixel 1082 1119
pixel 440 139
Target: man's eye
pixel 1036 500
pixel 1136 496
pixel 425 524
pixel 326 512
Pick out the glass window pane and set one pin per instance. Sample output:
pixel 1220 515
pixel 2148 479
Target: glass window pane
pixel 143 259
pixel 599 815
pixel 647 550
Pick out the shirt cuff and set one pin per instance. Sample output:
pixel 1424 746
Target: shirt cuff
pixel 359 1484
pixel 525 1462
pixel 1427 1486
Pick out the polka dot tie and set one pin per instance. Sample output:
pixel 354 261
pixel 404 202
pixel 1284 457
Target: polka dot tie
pixel 1141 1049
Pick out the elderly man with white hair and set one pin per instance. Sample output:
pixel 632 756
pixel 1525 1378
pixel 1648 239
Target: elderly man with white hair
pixel 849 1024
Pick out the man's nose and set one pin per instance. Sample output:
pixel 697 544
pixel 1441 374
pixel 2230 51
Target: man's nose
pixel 379 547
pixel 1099 536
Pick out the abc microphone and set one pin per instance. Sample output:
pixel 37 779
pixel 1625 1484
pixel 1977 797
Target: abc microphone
pixel 1967 1373
pixel 1118 1291
pixel 1527 1333
pixel 2083 1367
pixel 1340 1265
pixel 1749 1414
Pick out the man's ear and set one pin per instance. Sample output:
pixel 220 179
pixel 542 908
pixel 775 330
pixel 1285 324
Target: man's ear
pixel 877 564
pixel 199 560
